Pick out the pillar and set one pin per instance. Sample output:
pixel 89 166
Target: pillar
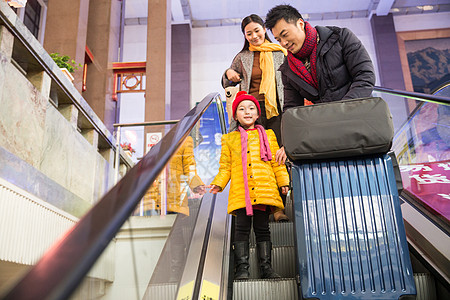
pixel 388 57
pixel 181 70
pixel 103 42
pixel 389 65
pixel 66 30
pixel 158 66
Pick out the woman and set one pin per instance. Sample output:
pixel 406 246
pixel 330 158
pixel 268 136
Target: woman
pixel 255 67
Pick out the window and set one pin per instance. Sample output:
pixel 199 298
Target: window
pixel 32 16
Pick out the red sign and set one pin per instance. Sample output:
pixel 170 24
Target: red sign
pixel 430 182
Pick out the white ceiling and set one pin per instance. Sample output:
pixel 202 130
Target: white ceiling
pixel 202 13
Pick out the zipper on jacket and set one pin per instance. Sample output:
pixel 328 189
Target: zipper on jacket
pixel 330 77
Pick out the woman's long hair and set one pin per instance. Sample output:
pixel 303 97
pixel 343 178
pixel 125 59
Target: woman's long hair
pixel 247 20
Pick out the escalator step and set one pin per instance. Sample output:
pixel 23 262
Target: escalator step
pixel 266 289
pixel 425 286
pixel 281 234
pixel 283 262
pixel 161 291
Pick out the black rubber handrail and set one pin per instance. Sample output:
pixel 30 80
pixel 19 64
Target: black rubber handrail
pixel 415 95
pixel 62 268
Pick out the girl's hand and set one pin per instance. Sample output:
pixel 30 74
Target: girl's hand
pixel 201 189
pixel 215 189
pixel 280 156
pixel 284 189
pixel 233 75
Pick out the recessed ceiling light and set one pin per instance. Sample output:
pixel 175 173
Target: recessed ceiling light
pixel 425 7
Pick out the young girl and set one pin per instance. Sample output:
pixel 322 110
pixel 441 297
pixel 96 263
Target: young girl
pixel 255 69
pixel 248 159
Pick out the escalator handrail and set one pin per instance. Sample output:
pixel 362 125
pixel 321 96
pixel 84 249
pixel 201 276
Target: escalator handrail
pixel 415 95
pixel 62 268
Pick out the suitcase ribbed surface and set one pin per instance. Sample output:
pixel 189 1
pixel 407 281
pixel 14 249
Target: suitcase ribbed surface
pixel 350 233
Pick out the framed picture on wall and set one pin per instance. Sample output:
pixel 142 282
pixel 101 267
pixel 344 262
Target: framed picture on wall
pixel 425 59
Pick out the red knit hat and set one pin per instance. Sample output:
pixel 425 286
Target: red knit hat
pixel 241 96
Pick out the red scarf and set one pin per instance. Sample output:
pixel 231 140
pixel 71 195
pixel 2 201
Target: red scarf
pixel 309 49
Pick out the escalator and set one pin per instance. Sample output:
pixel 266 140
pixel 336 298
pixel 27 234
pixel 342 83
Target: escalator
pixel 195 260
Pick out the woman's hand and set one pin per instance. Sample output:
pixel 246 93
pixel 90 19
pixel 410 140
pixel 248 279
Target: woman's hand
pixel 233 75
pixel 215 189
pixel 284 190
pixel 280 156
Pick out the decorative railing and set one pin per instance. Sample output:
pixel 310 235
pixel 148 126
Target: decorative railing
pixel 129 77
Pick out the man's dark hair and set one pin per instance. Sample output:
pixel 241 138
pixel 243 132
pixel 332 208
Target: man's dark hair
pixel 285 11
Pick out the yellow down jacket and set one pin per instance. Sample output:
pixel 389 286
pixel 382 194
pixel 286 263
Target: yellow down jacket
pixel 181 175
pixel 264 177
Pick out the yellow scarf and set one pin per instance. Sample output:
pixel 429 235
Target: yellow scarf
pixel 268 85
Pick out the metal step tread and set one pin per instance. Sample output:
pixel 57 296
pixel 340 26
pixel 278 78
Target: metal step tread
pixel 281 234
pixel 283 261
pixel 265 289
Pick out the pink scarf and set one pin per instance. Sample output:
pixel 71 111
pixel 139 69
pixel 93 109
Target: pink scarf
pixel 266 155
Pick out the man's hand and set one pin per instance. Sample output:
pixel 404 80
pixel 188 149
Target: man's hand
pixel 284 190
pixel 280 156
pixel 233 75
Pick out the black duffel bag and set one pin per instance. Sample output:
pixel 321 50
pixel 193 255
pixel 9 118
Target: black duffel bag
pixel 338 129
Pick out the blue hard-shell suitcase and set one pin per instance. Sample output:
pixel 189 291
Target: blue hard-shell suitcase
pixel 351 241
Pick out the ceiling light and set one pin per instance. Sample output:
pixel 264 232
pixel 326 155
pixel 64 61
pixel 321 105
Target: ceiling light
pixel 425 7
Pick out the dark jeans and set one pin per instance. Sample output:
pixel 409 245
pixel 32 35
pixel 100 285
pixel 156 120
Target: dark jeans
pixel 243 225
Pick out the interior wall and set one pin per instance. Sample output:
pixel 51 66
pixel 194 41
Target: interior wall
pixel 422 22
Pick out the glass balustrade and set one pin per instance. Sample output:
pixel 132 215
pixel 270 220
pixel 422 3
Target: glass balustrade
pixel 422 146
pixel 148 255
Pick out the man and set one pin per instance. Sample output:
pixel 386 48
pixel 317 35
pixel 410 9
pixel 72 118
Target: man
pixel 323 64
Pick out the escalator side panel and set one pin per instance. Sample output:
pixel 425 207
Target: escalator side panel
pixel 350 235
